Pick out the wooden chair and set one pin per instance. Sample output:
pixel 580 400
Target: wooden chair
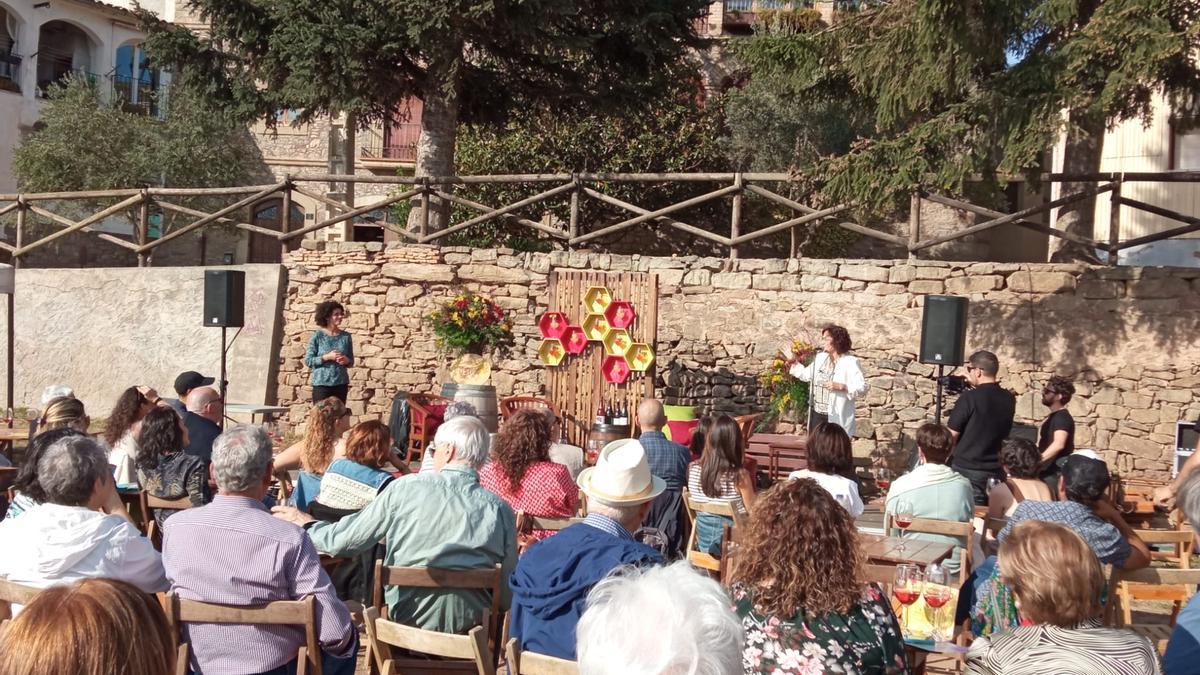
pixel 278 613
pixel 532 663
pixel 486 579
pixel 471 650
pixel 1156 583
pixel 420 427
pixel 1181 542
pixel 512 404
pixel 526 522
pixel 964 532
pixel 705 560
pixel 182 656
pixel 149 525
pixel 12 593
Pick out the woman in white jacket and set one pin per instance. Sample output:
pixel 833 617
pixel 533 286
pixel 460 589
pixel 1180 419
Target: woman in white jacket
pixel 837 381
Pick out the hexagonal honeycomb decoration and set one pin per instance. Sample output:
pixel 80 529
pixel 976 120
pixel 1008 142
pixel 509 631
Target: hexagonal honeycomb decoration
pixel 617 341
pixel 595 327
pixel 596 299
pixel 551 352
pixel 553 324
pixel 615 369
pixel 574 340
pixel 620 314
pixel 639 356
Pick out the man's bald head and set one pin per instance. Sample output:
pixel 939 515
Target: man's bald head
pixel 650 415
pixel 205 401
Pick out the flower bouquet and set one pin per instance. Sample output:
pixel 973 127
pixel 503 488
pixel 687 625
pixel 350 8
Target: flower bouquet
pixel 788 395
pixel 470 323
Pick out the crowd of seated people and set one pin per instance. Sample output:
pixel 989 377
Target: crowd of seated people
pixel 798 599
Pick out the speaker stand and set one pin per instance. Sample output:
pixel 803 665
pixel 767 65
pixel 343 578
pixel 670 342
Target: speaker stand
pixel 222 389
pixel 937 399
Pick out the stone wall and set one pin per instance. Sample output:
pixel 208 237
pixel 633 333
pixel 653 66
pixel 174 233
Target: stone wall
pixel 1126 335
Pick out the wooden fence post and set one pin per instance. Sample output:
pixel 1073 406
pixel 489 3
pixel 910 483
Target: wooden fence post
pixel 286 218
pixel 143 231
pixel 1114 222
pixel 424 206
pixel 19 235
pixel 574 218
pixel 914 222
pixel 735 221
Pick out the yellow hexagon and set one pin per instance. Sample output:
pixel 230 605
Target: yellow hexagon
pixel 551 352
pixel 640 355
pixel 596 299
pixel 595 326
pixel 617 342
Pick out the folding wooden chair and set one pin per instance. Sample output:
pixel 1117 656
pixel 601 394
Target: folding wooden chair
pixel 486 579
pixel 1181 542
pixel 964 532
pixel 526 522
pixel 532 663
pixel 12 593
pixel 278 613
pixel 511 404
pixel 471 649
pixel 1152 583
pixel 148 503
pixel 703 559
pixel 421 427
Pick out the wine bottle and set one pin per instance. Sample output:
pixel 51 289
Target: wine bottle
pixel 610 414
pixel 600 413
pixel 622 416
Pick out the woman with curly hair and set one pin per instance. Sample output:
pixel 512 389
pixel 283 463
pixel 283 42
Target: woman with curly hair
pixel 835 377
pixel 1021 462
pixel 330 352
pixel 799 589
pixel 124 422
pixel 522 474
pixel 163 468
pixel 328 422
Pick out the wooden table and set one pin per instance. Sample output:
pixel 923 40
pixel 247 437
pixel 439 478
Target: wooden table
pixel 778 454
pixel 7 436
pixel 878 548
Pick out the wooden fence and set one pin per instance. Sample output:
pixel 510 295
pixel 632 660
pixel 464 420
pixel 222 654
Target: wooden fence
pixel 426 192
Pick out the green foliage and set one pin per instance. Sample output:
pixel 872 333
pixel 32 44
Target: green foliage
pixel 470 323
pixel 959 88
pixel 84 143
pixel 329 56
pixel 669 133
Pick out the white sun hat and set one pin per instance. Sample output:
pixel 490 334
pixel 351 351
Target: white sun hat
pixel 621 476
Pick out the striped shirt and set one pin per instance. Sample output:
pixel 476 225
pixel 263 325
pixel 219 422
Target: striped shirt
pixel 1087 649
pixel 234 552
pixel 727 484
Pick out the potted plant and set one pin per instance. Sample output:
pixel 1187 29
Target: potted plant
pixel 788 395
pixel 468 325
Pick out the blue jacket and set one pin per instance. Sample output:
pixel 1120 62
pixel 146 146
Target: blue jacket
pixel 552 580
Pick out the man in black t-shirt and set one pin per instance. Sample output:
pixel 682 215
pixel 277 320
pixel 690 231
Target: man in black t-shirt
pixel 980 422
pixel 1056 439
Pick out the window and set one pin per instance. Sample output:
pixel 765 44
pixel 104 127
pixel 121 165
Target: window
pixel 137 84
pixel 1185 148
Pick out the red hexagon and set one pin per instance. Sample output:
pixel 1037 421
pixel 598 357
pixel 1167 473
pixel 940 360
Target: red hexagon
pixel 553 324
pixel 620 314
pixel 574 339
pixel 615 369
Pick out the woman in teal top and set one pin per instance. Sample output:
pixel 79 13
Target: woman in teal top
pixel 330 352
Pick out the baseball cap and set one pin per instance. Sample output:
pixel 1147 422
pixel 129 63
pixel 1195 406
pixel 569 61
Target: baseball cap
pixel 189 380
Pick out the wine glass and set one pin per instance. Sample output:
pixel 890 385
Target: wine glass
pixel 906 586
pixel 902 518
pixel 8 417
pixel 883 477
pixel 937 594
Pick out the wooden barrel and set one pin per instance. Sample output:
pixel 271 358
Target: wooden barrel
pixel 482 396
pixel 600 436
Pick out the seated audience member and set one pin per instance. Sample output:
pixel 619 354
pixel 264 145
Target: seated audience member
pixel 669 461
pixel 800 591
pixel 831 464
pixel 233 552
pixel 62 412
pixel 1087 511
pixel 552 579
pixel 121 431
pixel 699 434
pixel 659 620
pixel 90 627
pixel 453 409
pixel 1183 650
pixel 353 481
pixel 1057 582
pixel 185 383
pixel 328 422
pixel 570 456
pixel 437 518
pixel 79 529
pixel 205 412
pixel 29 492
pixel 1020 460
pixel 522 474
pixel 934 490
pixel 164 469
pixel 720 478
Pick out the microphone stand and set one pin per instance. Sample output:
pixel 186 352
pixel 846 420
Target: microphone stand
pixel 937 399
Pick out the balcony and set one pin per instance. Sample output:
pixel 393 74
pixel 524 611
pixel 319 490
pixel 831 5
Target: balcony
pixel 10 69
pixel 739 15
pixel 397 144
pixel 139 96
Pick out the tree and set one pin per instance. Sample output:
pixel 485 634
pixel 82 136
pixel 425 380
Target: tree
pixel 963 88
pixel 466 60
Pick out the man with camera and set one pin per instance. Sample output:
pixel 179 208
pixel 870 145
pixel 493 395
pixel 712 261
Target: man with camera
pixel 980 421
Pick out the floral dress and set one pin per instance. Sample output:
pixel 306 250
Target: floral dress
pixel 865 640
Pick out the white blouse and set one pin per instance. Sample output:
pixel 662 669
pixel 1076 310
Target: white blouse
pixel 844 490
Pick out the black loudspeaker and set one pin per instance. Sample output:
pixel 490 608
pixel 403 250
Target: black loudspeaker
pixel 944 330
pixel 224 298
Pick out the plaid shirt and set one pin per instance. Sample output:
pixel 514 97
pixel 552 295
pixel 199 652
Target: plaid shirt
pixel 668 460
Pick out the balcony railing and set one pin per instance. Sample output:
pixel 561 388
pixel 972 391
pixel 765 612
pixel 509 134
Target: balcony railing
pixel 139 96
pixel 398 144
pixel 43 88
pixel 761 5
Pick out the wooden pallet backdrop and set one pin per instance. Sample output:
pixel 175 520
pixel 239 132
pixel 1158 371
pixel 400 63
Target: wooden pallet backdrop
pixel 577 387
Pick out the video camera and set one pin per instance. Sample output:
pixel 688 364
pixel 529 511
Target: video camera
pixel 954 384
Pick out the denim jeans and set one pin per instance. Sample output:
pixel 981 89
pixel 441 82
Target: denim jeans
pixel 710 529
